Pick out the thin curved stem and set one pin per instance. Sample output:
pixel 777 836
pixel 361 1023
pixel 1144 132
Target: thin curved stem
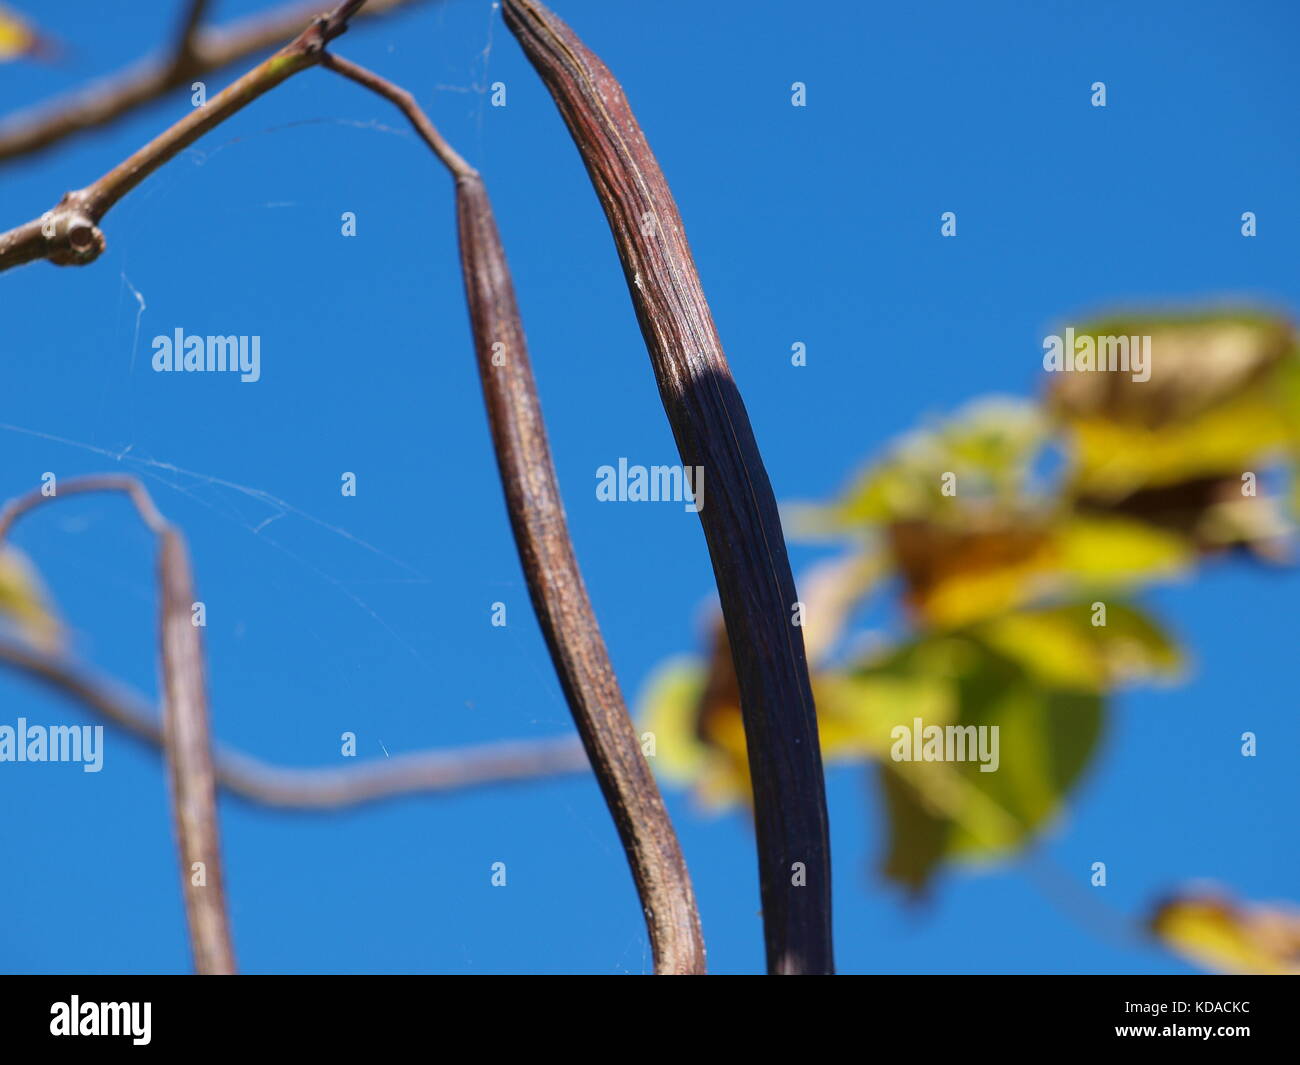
pixel 69 234
pixel 199 50
pixel 550 566
pixel 185 720
pixel 309 790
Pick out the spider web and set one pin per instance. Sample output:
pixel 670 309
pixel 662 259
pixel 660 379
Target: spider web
pixel 260 511
pixel 220 495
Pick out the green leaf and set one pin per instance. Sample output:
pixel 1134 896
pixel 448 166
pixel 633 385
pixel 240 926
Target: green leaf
pixel 942 811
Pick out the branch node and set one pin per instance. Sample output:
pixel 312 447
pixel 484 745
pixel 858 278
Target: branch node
pixel 71 234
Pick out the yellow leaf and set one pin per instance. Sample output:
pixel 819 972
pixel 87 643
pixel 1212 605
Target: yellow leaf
pixel 1114 459
pixel 667 708
pixel 829 592
pixel 857 711
pixel 1062 648
pixel 958 575
pixel 24 602
pixel 672 707
pixel 1217 934
pixel 16 35
pixel 1115 552
pixel 1197 362
pixel 1211 405
pixel 998 563
pixel 987 447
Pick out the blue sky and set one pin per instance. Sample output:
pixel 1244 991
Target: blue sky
pixel 818 225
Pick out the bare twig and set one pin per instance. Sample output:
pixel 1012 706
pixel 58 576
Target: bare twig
pixel 404 102
pixel 741 523
pixel 69 234
pixel 454 769
pixel 128 486
pixel 555 582
pixel 185 54
pixel 209 50
pixel 185 721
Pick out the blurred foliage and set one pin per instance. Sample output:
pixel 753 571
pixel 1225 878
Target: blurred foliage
pixel 25 608
pixel 1216 933
pixel 1016 536
pixel 20 39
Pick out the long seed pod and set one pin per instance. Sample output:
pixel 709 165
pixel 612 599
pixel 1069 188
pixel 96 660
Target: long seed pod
pixel 555 583
pixel 741 523
pixel 189 759
pixel 185 721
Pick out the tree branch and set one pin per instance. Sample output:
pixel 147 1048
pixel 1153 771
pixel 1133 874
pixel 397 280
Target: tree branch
pixel 555 583
pixel 309 789
pixel 741 522
pixel 209 50
pixel 69 234
pixel 185 721
pixel 185 53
